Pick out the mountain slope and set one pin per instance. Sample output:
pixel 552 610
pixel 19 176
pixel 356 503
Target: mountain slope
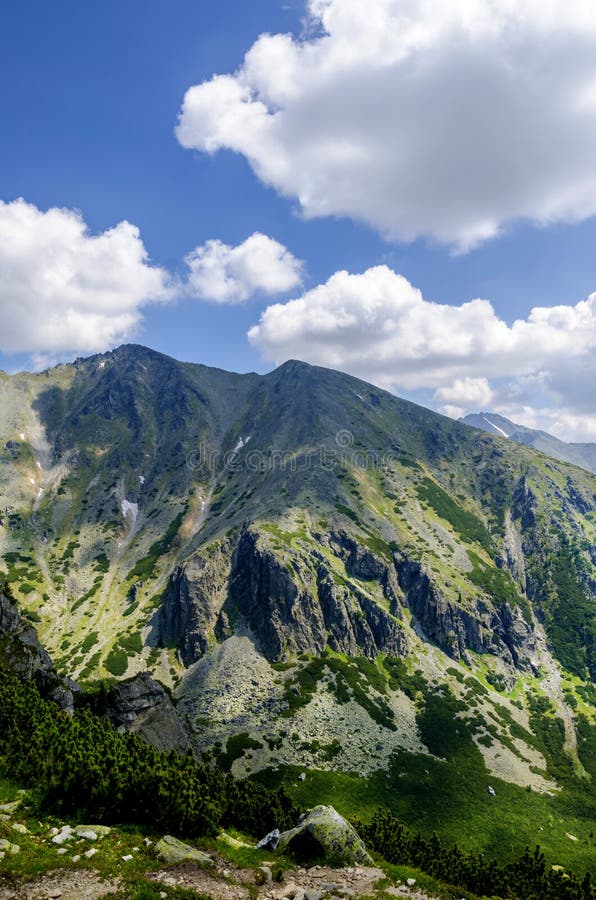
pixel 336 558
pixel 583 455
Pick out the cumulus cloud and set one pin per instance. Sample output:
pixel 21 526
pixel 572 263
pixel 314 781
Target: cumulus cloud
pixel 444 120
pixel 227 274
pixel 63 289
pixel 470 391
pixel 377 326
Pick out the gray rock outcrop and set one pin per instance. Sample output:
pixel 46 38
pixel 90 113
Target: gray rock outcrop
pixel 290 608
pixel 484 628
pixel 22 653
pixel 143 706
pixel 192 603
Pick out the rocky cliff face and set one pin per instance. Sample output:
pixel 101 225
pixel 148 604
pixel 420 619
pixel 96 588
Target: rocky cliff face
pixel 21 653
pixel 484 628
pixel 290 607
pixel 192 603
pixel 148 503
pixel 141 705
pixel 299 605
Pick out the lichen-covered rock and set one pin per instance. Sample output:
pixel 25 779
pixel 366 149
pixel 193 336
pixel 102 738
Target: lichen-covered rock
pixel 7 847
pixel 11 807
pixel 171 850
pixel 99 830
pixel 232 841
pixel 321 831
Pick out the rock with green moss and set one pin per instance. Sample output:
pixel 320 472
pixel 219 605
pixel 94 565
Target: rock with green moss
pixel 7 847
pixel 98 830
pixel 171 850
pixel 322 832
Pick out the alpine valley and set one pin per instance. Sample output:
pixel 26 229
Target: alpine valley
pixel 332 589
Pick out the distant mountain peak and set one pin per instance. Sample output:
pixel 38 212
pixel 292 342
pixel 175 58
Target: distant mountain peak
pixel 582 454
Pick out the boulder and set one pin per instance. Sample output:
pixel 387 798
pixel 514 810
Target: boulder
pixel 10 808
pixel 7 847
pixel 322 832
pixel 232 841
pixel 64 835
pixel 171 850
pixel 98 831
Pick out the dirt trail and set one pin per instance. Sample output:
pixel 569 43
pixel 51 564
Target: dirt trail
pixel 80 884
pixel 224 882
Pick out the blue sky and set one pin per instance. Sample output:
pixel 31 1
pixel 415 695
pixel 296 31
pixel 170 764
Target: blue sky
pixel 90 94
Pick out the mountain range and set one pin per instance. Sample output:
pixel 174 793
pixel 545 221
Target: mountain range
pixel 321 574
pixel 583 455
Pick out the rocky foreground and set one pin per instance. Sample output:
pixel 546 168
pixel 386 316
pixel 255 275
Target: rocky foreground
pixel 67 852
pixel 230 883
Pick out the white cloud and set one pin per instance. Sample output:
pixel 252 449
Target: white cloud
pixel 63 289
pixel 469 392
pixel 227 274
pixel 446 120
pixel 377 326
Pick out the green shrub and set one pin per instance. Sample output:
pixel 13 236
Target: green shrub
pixel 527 878
pixel 116 662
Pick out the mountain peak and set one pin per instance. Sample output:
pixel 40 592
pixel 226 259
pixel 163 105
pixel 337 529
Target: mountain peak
pixel 583 455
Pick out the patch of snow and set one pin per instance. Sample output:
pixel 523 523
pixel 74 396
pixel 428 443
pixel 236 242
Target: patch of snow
pixel 130 512
pixel 141 480
pixel 496 427
pixel 102 365
pixel 242 442
pixel 22 436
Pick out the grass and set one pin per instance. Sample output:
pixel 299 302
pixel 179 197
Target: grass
pixel 350 681
pixel 498 584
pixel 89 642
pixel 300 689
pixel 83 599
pixel 346 511
pixel 452 800
pixel 117 659
pixel 400 677
pixel 470 528
pixel 38 856
pixel 102 564
pixel 131 644
pixel 448 792
pixel 144 570
pixel 570 616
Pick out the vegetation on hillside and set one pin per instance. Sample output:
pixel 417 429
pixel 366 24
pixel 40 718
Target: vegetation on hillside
pixel 81 766
pixel 527 878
